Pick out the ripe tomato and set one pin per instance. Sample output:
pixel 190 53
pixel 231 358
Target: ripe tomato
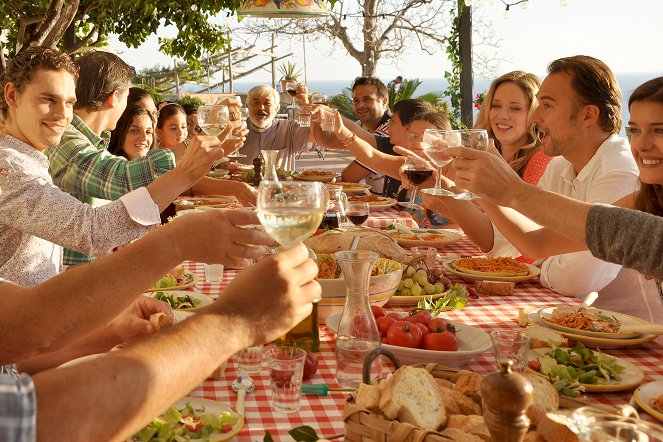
pixel 404 334
pixel 534 365
pixel 310 365
pixel 384 323
pixel 378 311
pixel 396 316
pixel 445 341
pixel 422 327
pixel 437 325
pixel 422 316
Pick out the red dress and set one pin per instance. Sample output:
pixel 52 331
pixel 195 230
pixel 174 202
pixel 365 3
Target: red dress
pixel 535 167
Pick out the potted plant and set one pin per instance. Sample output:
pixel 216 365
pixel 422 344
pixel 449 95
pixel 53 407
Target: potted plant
pixel 289 72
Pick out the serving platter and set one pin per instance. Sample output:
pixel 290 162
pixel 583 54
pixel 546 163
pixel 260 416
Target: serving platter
pixel 189 280
pixel 546 313
pixel 590 341
pixel 380 203
pixel 353 188
pixel 421 240
pixel 631 377
pixel 645 393
pixel 533 273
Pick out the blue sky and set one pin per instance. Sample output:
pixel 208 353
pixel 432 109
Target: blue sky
pixel 627 35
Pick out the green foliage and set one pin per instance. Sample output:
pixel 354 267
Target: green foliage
pixel 453 76
pixel 405 91
pixel 156 96
pixel 343 102
pixel 188 99
pixel 289 71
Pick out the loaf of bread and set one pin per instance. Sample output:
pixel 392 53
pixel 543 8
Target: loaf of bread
pixel 552 431
pixel 458 403
pixel 494 288
pixel 411 395
pixel 368 396
pixel 375 241
pixel 473 424
pixel 458 435
pixel 468 383
pixel 543 337
pixel 545 398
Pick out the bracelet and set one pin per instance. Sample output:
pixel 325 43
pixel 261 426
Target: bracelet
pixel 348 140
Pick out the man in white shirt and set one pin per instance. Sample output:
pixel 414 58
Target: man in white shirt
pixel 36 217
pixel 578 118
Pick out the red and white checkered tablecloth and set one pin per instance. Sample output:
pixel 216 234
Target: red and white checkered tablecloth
pixel 325 414
pixel 379 219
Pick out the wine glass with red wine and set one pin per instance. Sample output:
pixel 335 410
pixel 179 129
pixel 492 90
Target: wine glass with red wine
pixel 358 212
pixel 291 88
pixel 418 172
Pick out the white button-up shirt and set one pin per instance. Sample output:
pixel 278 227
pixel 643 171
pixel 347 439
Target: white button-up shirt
pixel 37 218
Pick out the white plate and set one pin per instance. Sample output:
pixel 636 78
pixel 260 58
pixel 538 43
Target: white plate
pixel 190 279
pixel 632 376
pixel 546 313
pixel 203 298
pixel 212 407
pixel 450 237
pixel 383 203
pixel 353 188
pixel 590 341
pixel 534 272
pixel 218 173
pixel 181 315
pixel 199 203
pixel 323 178
pixel 472 341
pixel 645 393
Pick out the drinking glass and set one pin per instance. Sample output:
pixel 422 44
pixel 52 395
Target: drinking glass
pixel 358 212
pixel 434 143
pixel 243 115
pixel 328 119
pixel 213 272
pixel 417 171
pixel 318 98
pixel 291 88
pixel 290 211
pixel 212 119
pixel 474 139
pixel 512 345
pixel 286 370
pixel 249 359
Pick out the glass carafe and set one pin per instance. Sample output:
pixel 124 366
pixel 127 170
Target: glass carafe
pixel 270 165
pixel 357 331
pixel 336 214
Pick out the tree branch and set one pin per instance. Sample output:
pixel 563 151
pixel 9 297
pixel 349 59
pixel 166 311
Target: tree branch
pixel 83 41
pixel 63 21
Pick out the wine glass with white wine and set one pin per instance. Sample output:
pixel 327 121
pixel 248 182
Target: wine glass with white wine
pixel 470 138
pixel 212 119
pixel 435 143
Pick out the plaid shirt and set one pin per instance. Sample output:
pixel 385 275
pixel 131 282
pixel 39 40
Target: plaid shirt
pixel 18 406
pixel 82 167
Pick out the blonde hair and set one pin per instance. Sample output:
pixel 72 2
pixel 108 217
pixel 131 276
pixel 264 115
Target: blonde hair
pixel 530 84
pixel 261 91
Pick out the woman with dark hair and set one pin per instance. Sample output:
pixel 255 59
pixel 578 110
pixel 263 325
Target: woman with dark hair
pixel 133 135
pixel 140 97
pixel 191 112
pixel 171 125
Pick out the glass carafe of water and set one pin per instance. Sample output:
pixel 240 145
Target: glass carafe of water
pixel 270 165
pixel 357 331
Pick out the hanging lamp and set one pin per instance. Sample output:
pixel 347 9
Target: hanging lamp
pixel 283 9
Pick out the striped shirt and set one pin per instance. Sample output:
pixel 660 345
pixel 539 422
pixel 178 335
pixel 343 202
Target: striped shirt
pixel 82 167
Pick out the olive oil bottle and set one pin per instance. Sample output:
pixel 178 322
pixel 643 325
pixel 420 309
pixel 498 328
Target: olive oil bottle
pixel 306 334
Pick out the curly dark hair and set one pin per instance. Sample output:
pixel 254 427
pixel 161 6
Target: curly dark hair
pixel 23 66
pixel 382 91
pixel 101 73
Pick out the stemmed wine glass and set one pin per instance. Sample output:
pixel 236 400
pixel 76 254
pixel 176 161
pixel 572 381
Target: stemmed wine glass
pixel 358 212
pixel 291 88
pixel 212 119
pixel 473 139
pixel 417 171
pixel 435 143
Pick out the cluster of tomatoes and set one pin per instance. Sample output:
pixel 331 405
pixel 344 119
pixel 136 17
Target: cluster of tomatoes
pixel 417 330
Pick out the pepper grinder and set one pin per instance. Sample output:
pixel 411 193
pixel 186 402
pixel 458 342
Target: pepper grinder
pixel 506 398
pixel 257 169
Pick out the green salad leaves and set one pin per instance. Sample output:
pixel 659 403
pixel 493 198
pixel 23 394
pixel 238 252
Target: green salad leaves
pixel 178 302
pixel 185 424
pixel 456 298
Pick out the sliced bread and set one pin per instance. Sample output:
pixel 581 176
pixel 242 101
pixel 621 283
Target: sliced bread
pixel 368 396
pixel 413 396
pixel 546 398
pixel 542 337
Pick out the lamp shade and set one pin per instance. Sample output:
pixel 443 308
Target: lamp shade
pixel 283 8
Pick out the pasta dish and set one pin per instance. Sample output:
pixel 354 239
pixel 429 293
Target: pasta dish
pixel 657 403
pixel 368 198
pixel 592 321
pixel 501 265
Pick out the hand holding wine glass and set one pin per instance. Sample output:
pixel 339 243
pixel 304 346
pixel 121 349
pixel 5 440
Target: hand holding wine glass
pixel 435 144
pixel 470 138
pixel 212 119
pixel 417 171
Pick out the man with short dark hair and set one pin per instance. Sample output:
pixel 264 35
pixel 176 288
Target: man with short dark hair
pixel 81 164
pixel 371 104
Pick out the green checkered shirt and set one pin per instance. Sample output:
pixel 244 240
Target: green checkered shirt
pixel 82 167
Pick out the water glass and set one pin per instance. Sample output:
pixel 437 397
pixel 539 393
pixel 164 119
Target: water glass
pixel 426 254
pixel 249 359
pixel 630 430
pixel 328 119
pixel 511 345
pixel 304 115
pixel 286 369
pixel 213 272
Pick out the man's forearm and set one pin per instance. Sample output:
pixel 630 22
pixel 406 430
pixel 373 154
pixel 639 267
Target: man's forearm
pixel 132 383
pixel 111 284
